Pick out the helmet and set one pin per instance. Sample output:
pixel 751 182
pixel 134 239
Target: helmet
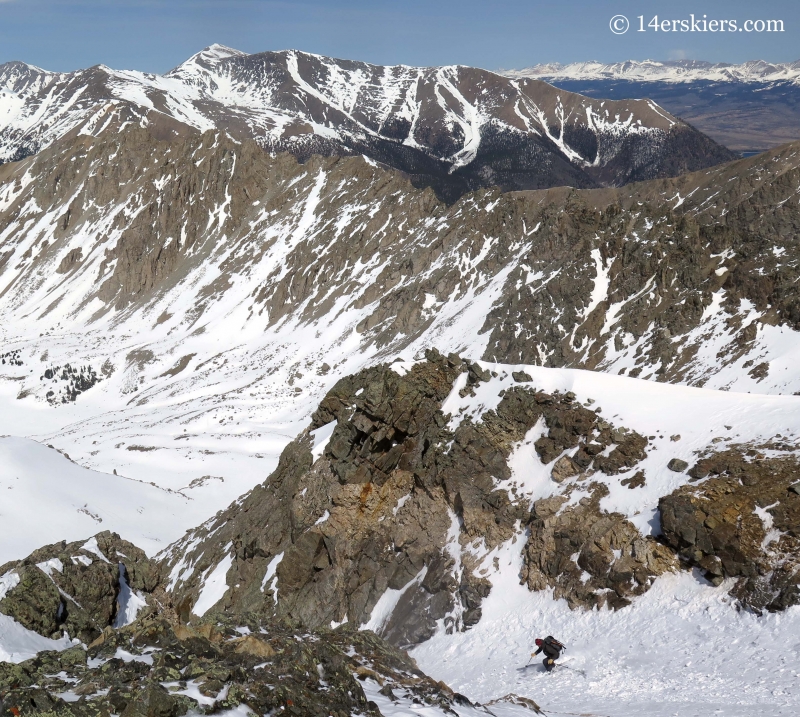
pixel 538 641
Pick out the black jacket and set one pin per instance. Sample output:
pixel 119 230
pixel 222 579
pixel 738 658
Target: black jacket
pixel 549 650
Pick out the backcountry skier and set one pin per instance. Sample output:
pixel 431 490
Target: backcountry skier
pixel 552 650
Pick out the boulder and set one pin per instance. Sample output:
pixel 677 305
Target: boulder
pixel 588 556
pixel 564 468
pixel 742 522
pixel 76 587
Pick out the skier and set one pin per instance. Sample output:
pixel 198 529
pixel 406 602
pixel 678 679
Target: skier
pixel 552 651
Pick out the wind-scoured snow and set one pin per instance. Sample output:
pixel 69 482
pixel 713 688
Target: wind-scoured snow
pixel 214 587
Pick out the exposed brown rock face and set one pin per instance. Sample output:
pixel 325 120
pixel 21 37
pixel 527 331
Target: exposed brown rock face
pixel 376 512
pixel 743 522
pixel 590 557
pixel 71 588
pixel 398 501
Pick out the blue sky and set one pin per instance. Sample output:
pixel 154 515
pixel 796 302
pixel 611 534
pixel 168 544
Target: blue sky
pixel 155 35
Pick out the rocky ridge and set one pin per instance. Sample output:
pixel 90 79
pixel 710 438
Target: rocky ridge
pixel 388 514
pixel 739 518
pixel 398 501
pixel 619 280
pixel 158 667
pixel 453 128
pixel 80 588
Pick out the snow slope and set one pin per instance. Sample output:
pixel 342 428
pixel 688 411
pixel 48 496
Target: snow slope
pixel 680 650
pixel 47 498
pixel 18 644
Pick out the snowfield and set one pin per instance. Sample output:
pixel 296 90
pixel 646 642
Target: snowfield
pixel 681 649
pixel 47 498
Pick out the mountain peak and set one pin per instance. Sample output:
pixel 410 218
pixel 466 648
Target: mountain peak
pixel 208 57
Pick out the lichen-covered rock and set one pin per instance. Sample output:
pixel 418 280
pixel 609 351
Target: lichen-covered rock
pixel 743 522
pixel 564 468
pixel 263 667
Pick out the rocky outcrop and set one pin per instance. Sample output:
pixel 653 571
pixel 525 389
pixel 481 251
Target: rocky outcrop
pixel 158 667
pixel 79 588
pixel 590 557
pixel 402 502
pixel 380 510
pixel 742 521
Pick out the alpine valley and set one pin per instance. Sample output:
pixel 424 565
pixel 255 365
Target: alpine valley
pixel 327 387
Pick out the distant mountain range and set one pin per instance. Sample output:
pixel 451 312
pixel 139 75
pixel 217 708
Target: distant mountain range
pixel 453 128
pixel 756 71
pixel 747 107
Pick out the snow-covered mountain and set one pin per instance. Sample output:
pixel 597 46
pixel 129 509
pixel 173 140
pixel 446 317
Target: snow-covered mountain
pixel 454 128
pixel 202 336
pixel 756 71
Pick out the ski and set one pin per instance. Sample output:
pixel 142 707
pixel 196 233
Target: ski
pixel 574 669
